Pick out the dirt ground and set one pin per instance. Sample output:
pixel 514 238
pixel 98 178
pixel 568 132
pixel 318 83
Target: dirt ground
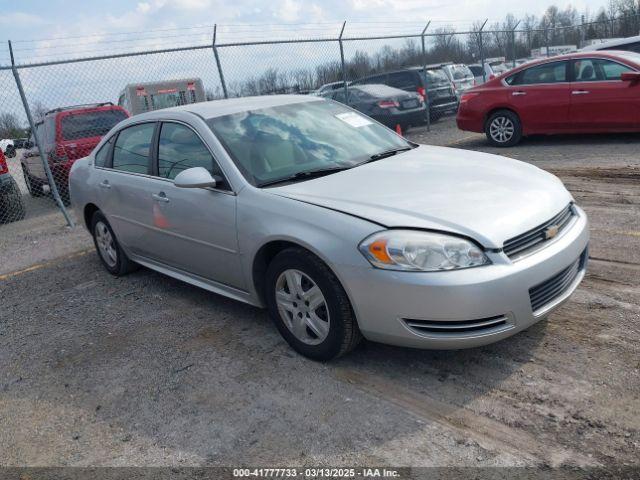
pixel 145 370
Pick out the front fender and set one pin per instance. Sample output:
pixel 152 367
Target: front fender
pixel 332 236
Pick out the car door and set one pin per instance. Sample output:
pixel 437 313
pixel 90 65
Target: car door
pixel 125 187
pixel 194 229
pixel 600 100
pixel 541 96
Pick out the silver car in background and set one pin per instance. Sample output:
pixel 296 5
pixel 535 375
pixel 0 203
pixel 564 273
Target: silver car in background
pixel 461 77
pixel 337 225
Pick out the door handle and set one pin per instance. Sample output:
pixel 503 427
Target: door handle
pixel 160 197
pixel 105 184
pixel 580 92
pixel 518 93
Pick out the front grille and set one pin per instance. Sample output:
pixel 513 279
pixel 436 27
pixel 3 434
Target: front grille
pixel 535 237
pixel 459 328
pixel 551 289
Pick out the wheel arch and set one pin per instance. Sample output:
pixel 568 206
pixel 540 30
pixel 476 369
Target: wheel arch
pixel 495 109
pixel 87 213
pixel 268 251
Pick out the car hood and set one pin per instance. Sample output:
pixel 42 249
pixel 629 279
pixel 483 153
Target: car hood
pixel 486 197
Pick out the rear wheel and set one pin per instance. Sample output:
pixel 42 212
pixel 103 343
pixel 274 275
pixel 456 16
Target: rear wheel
pixel 503 129
pixel 309 306
pixel 111 254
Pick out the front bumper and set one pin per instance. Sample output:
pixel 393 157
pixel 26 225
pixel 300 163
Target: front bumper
pixel 389 304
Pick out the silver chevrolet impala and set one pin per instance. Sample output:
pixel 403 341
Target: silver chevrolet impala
pixel 338 226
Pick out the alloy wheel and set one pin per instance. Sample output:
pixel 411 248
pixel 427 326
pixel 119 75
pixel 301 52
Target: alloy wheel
pixel 106 245
pixel 302 307
pixel 501 129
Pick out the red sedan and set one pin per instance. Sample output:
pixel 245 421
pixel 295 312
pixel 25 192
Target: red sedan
pixel 585 92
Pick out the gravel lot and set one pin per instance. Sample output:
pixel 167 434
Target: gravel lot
pixel 145 370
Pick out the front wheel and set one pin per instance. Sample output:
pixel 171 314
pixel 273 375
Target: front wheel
pixel 503 129
pixel 309 306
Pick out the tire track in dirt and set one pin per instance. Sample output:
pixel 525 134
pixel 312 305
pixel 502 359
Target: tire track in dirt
pixel 490 434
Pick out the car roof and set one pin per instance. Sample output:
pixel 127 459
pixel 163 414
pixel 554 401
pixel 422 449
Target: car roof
pixel 632 57
pixel 611 43
pixel 83 107
pixel 219 108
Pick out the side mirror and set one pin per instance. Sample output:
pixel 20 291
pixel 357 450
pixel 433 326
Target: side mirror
pixel 630 77
pixel 196 177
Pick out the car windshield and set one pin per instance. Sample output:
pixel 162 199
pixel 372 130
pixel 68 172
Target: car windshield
pixel 277 143
pixel 436 76
pixel 90 124
pixel 498 68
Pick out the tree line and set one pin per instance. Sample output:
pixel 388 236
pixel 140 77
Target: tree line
pixel 511 38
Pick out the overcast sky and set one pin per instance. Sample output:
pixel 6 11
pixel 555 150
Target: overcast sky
pixel 29 19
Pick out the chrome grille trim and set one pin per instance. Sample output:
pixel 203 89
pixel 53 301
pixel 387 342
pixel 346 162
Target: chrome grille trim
pixel 534 238
pixel 458 328
pixel 551 289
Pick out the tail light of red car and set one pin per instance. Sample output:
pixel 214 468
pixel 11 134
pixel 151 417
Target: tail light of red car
pixel 4 168
pixel 388 104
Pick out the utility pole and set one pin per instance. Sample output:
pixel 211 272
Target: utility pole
pixel 481 45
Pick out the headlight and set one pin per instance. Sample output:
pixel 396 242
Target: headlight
pixel 421 251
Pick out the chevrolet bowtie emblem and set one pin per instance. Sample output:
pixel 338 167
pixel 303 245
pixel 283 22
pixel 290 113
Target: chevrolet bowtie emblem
pixel 551 232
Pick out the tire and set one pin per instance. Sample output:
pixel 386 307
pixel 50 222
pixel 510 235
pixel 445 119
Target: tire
pixel 118 263
pixel 12 205
pixel 33 186
pixel 503 129
pixel 335 330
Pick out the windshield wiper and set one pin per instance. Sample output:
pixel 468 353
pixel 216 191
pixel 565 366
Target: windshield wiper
pixel 387 153
pixel 305 175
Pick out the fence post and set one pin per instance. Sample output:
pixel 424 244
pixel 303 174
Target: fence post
pixel 43 158
pixel 215 54
pixel 344 67
pixel 546 40
pixel 481 45
pixel 424 64
pixel 513 43
pixel 583 35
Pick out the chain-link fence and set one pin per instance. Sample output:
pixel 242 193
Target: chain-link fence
pixel 55 107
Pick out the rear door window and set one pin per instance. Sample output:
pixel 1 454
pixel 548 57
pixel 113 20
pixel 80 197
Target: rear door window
pixel 436 77
pixel 553 72
pixel 102 155
pixel 460 72
pixel 132 148
pixel 89 124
